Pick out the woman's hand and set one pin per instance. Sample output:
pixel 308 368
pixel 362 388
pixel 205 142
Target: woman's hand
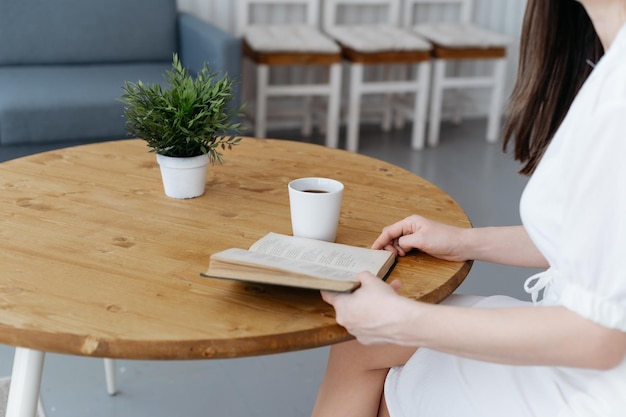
pixel 374 313
pixel 416 232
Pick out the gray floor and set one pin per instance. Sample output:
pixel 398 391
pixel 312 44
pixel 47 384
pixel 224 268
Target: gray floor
pixel 479 176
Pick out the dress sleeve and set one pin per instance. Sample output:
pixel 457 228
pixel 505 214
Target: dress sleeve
pixel 593 243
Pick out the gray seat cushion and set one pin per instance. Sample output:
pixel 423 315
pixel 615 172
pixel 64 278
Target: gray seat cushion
pixel 451 35
pixel 289 38
pixel 379 38
pixel 75 102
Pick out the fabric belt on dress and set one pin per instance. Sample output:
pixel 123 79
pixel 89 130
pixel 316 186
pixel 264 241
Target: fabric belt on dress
pixel 536 283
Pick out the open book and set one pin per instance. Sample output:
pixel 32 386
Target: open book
pixel 298 262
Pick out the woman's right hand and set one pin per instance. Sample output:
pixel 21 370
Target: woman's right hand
pixel 417 232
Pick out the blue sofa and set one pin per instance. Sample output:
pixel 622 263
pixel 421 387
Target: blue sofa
pixel 63 63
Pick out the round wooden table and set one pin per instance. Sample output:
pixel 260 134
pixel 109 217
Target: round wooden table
pixel 97 261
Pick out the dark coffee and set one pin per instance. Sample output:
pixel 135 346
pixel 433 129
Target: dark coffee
pixel 314 191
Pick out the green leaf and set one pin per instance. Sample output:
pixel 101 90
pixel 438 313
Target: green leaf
pixel 188 118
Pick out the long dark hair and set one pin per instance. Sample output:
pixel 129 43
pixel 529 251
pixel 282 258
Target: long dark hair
pixel 558 49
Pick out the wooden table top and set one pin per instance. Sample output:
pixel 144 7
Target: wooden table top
pixel 97 261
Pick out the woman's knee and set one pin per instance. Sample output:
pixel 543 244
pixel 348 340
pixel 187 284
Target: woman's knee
pixel 373 357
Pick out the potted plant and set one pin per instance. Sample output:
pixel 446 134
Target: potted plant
pixel 187 124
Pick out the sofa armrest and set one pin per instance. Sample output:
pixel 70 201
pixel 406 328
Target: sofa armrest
pixel 201 41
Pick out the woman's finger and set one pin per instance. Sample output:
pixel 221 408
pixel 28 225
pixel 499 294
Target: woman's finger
pixel 395 284
pixel 329 296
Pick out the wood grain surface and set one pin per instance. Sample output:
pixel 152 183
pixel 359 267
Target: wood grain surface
pixel 95 260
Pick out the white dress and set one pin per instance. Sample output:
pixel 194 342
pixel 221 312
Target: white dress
pixel 574 208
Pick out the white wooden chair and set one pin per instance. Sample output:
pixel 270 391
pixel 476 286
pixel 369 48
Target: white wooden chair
pixel 379 43
pixel 272 43
pixel 459 41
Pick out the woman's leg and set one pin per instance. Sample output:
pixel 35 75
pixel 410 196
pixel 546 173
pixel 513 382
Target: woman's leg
pixel 383 411
pixel 354 379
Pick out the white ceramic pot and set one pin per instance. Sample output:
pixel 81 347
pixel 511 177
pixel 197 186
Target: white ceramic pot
pixel 183 177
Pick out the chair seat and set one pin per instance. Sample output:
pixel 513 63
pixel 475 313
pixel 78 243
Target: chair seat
pixel 456 36
pixel 297 39
pixel 378 38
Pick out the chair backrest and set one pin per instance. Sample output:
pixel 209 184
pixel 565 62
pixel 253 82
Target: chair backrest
pixel 382 11
pixel 264 12
pixel 414 11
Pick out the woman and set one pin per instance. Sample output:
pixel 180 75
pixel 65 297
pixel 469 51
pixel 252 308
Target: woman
pixel 564 355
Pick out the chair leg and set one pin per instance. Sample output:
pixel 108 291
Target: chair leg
pixel 334 100
pixel 247 84
pixel 455 70
pixel 307 111
pixel 421 102
pixel 495 108
pixel 439 72
pixel 404 72
pixel 260 120
pixel 354 106
pixel 109 374
pixel 387 100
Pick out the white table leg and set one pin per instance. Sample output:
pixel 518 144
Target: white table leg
pixel 25 383
pixel 109 372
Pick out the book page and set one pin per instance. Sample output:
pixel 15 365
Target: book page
pixel 334 255
pixel 270 262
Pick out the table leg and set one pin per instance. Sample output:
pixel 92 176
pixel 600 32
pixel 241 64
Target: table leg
pixel 25 383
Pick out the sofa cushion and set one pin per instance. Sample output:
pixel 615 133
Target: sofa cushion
pixel 62 103
pixel 79 31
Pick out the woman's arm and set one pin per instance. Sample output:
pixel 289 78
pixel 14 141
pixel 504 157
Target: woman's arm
pixel 551 336
pixel 508 245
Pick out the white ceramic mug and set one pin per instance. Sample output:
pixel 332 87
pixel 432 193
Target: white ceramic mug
pixel 315 205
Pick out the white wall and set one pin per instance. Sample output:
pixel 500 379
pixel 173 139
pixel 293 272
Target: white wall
pixel 504 16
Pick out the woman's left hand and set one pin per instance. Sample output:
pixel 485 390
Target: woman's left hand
pixel 374 313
